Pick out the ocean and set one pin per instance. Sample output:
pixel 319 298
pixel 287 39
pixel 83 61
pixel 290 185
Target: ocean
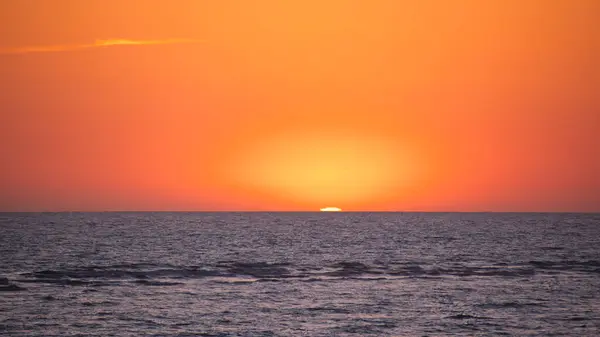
pixel 299 274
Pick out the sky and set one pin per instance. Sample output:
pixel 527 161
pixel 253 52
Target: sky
pixel 379 105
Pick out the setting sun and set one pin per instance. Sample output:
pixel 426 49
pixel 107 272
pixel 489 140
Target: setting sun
pixel 331 209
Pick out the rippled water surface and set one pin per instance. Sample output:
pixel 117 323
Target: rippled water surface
pixel 299 274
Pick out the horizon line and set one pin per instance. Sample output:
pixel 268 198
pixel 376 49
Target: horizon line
pixel 295 211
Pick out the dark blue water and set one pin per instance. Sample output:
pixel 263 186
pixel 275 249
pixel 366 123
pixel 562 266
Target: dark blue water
pixel 299 274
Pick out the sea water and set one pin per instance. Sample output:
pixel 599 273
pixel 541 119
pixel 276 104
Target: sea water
pixel 299 274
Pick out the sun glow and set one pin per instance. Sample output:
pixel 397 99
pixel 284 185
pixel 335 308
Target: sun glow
pixel 331 209
pixel 312 168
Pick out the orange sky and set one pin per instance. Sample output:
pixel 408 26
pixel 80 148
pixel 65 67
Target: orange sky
pixel 464 105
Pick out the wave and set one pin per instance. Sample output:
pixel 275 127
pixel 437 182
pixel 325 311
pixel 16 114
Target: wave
pixel 233 271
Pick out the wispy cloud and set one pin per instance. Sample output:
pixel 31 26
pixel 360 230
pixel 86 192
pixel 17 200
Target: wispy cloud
pixel 96 44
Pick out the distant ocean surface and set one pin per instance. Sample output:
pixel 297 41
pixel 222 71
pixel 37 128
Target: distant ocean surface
pixel 299 274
